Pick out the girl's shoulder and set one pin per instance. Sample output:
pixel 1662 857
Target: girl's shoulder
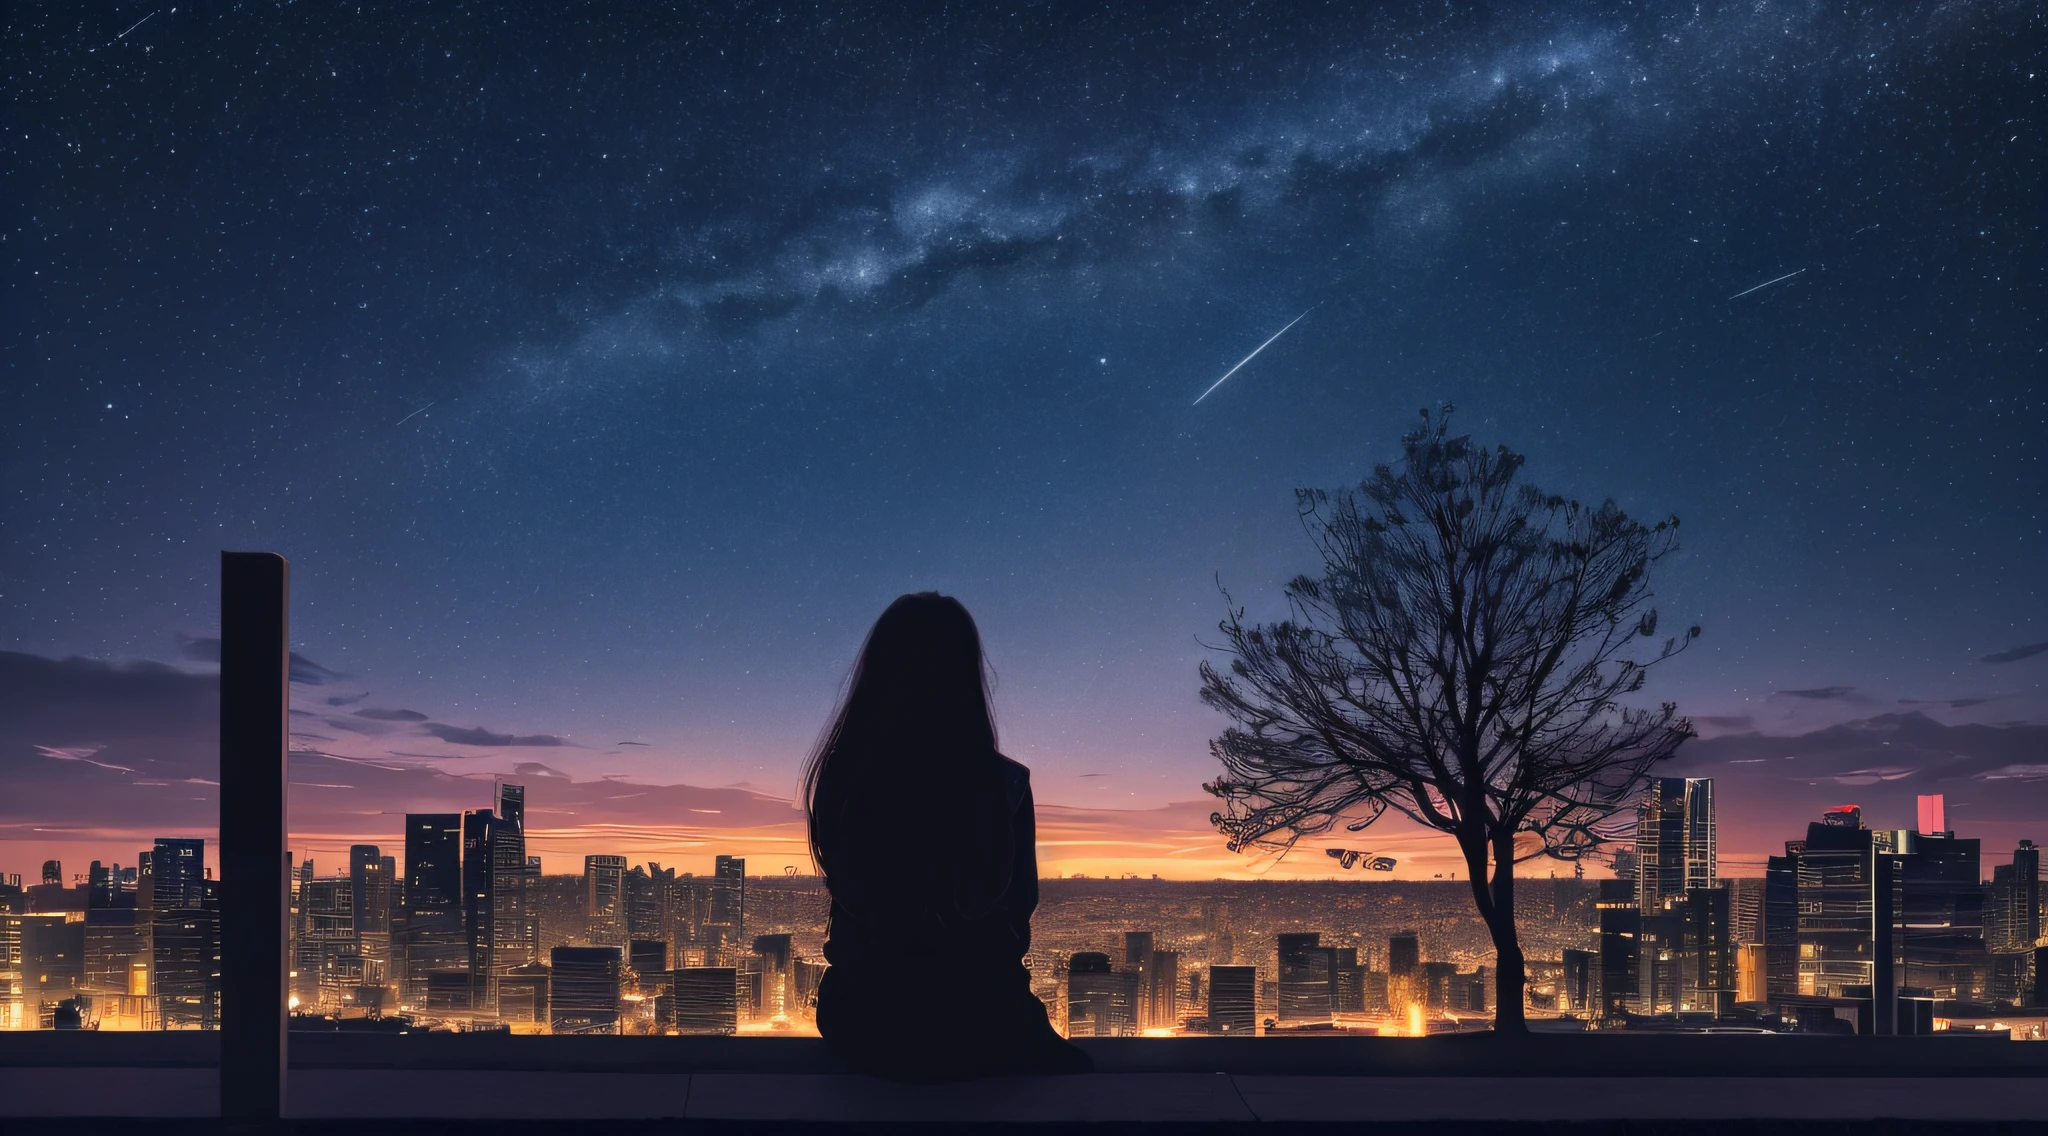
pixel 1016 776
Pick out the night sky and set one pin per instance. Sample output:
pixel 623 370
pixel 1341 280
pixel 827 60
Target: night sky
pixel 604 376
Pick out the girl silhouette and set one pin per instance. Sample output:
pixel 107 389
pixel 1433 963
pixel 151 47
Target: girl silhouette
pixel 925 835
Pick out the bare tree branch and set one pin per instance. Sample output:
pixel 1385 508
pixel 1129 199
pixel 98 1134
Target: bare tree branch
pixel 1464 659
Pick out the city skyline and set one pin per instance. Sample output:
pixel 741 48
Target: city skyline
pixel 458 927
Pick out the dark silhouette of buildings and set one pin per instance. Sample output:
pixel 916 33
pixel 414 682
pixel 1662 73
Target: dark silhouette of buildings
pixel 185 935
pixel 583 990
pixel 705 1000
pixel 1233 1000
pixel 429 924
pixel 1101 1000
pixel 604 882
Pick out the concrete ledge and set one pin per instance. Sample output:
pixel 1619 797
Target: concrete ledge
pixel 1175 1100
pixel 1103 1098
pixel 1294 1100
pixel 1474 1055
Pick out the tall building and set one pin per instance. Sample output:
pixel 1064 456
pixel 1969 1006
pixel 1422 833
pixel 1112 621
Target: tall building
pixel 480 907
pixel 184 936
pixel 2014 925
pixel 1306 978
pixel 1233 1000
pixel 1101 1000
pixel 116 935
pixel 604 895
pixel 432 907
pixel 705 1000
pixel 523 995
pixel 1780 926
pixel 777 954
pixel 1851 902
pixel 325 961
pixel 1404 972
pixel 370 881
pixel 583 990
pixel 1163 999
pixel 647 903
pixel 1138 960
pixel 1675 840
pixel 1942 946
pixel 52 963
pixel 1580 982
pixel 1745 908
pixel 1621 949
pixel 515 932
pixel 2014 917
pixel 725 906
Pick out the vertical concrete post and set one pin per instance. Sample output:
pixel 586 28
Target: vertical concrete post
pixel 255 686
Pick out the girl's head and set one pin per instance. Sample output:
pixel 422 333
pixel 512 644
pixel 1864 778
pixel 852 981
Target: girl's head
pixel 907 769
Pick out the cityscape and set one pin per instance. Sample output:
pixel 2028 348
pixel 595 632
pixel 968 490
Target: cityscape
pixel 1853 930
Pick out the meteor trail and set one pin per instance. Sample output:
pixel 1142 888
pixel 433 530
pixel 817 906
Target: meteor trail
pixel 421 410
pixel 1255 351
pixel 1765 284
pixel 138 23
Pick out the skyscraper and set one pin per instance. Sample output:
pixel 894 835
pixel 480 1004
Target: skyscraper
pixel 1163 1000
pixel 1621 949
pixel 433 905
pixel 706 1000
pixel 1780 926
pixel 778 974
pixel 1101 1000
pixel 1233 1000
pixel 604 895
pixel 725 914
pixel 185 936
pixel 1305 978
pixel 583 994
pixel 1675 840
pixel 515 934
pixel 479 906
pixel 1404 971
pixel 371 885
pixel 1138 960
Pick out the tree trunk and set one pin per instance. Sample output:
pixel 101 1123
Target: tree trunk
pixel 1496 901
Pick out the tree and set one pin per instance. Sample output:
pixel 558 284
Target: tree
pixel 1462 661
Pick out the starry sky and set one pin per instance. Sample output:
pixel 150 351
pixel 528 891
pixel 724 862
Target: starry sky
pixel 603 373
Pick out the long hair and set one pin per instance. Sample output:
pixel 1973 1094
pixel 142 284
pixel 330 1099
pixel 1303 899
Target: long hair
pixel 904 789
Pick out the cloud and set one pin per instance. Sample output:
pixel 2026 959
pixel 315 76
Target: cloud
pixel 536 769
pixel 346 699
pixel 304 671
pixel 1871 776
pixel 391 715
pixel 87 744
pixel 2015 654
pixel 1769 787
pixel 1822 693
pixel 1725 721
pixel 2029 773
pixel 1951 703
pixel 478 736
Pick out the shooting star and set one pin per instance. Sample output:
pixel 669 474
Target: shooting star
pixel 421 410
pixel 1253 355
pixel 1765 284
pixel 137 24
